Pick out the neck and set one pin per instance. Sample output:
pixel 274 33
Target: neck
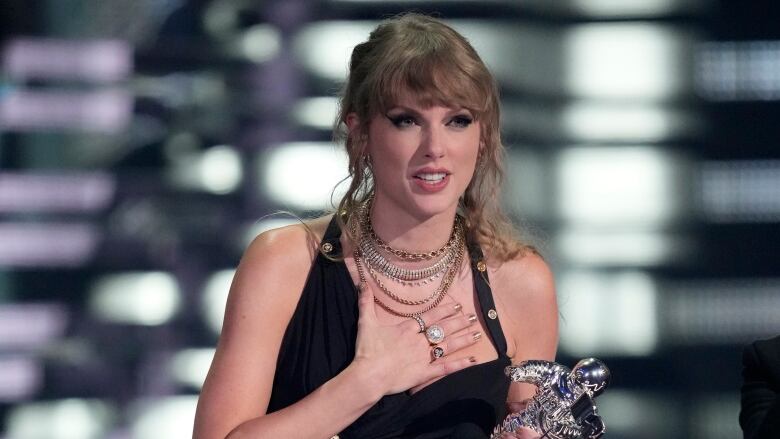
pixel 404 231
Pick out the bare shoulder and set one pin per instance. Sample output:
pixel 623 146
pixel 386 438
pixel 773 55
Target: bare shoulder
pixel 524 289
pixel 526 277
pixel 282 255
pixel 297 241
pixel 273 270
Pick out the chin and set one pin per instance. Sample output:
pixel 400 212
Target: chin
pixel 430 205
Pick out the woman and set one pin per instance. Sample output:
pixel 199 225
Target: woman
pixel 396 317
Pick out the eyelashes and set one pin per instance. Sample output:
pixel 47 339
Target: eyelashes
pixel 401 120
pixel 461 121
pixel 407 120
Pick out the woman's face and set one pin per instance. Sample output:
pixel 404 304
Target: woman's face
pixel 422 158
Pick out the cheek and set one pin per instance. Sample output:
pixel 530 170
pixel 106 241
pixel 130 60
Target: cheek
pixel 387 162
pixel 469 152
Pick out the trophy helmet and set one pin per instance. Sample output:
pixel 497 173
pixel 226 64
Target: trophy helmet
pixel 592 374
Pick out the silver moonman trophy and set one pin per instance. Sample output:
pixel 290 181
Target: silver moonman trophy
pixel 563 406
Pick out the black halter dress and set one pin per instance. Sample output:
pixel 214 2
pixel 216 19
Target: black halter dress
pixel 320 342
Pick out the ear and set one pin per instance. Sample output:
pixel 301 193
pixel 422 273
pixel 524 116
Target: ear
pixel 352 122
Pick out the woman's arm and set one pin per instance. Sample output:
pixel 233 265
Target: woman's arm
pixel 529 316
pixel 524 289
pixel 264 294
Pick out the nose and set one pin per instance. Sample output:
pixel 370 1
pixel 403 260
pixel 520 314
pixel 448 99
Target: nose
pixel 433 142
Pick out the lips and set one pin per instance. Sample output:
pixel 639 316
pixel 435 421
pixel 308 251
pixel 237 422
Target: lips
pixel 431 175
pixel 432 179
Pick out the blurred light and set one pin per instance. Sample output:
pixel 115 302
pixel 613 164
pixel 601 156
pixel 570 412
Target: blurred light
pixel 180 144
pixel 144 298
pixel 317 112
pixel 738 71
pixel 324 48
pixel 31 326
pixel 714 416
pixel 597 121
pixel 606 8
pixel 608 313
pixel 220 169
pixel 60 419
pixel 260 43
pixel 102 111
pixel 215 294
pixel 28 192
pixel 20 378
pixel 726 311
pixel 182 89
pixel 222 18
pixel 303 175
pixel 618 186
pixel 618 247
pixel 47 245
pixel 190 366
pixel 618 8
pixel 525 191
pixel 217 170
pixel 169 418
pixel 636 415
pixel 424 1
pixel 626 61
pixel 602 122
pixel 741 190
pixel 87 60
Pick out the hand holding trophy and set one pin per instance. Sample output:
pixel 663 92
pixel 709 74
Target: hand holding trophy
pixel 563 406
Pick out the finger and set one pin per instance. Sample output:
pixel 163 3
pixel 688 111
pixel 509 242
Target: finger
pixel 454 344
pixel 442 367
pixel 440 313
pixel 412 325
pixel 366 310
pixel 455 324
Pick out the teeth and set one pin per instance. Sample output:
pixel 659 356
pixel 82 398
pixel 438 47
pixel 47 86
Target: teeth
pixel 434 177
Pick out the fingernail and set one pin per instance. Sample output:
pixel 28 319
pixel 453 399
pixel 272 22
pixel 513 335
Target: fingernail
pixel 458 307
pixel 476 336
pixel 473 359
pixel 472 318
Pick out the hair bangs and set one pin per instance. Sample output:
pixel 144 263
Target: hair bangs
pixel 430 79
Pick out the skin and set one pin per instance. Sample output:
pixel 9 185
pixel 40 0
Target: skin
pixel 391 356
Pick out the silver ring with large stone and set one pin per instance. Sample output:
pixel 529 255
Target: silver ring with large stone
pixel 420 322
pixel 434 334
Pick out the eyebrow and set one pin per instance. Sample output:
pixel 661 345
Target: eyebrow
pixel 418 114
pixel 405 109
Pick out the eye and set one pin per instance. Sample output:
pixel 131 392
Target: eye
pixel 402 120
pixel 461 121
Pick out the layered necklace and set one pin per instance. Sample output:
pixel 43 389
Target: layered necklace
pixel 447 261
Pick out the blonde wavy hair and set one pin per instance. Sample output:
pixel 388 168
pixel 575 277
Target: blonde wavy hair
pixel 421 56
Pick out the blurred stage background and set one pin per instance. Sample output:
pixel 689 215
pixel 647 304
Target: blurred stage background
pixel 144 141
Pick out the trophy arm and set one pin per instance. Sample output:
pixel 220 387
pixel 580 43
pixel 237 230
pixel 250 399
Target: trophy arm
pixel 536 372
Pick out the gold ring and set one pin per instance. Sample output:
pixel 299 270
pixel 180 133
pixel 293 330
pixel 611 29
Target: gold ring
pixel 420 322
